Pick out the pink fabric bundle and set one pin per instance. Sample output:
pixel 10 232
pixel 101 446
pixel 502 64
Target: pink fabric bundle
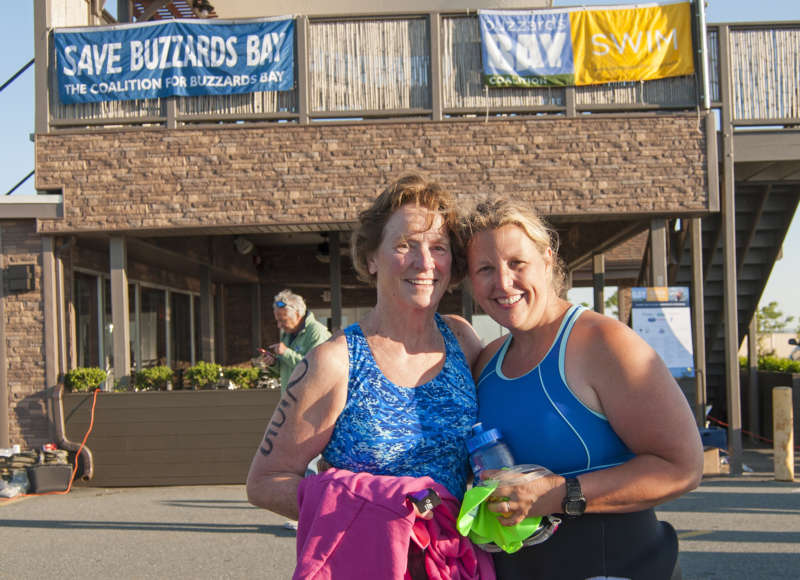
pixel 358 525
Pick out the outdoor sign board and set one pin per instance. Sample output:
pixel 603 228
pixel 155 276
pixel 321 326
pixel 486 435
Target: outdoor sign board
pixel 174 58
pixel 661 315
pixel 582 46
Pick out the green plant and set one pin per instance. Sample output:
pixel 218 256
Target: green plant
pixel 203 374
pixel 769 319
pixel 153 378
pixel 781 365
pixel 243 377
pixel 84 378
pixel 773 363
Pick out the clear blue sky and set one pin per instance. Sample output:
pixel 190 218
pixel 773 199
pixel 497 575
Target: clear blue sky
pixel 16 108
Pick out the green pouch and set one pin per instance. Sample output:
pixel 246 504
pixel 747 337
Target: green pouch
pixel 483 526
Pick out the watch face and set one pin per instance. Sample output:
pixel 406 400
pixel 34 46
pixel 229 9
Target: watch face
pixel 574 507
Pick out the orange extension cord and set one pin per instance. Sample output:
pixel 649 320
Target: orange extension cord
pixel 77 455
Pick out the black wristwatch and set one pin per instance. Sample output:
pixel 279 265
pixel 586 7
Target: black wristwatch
pixel 574 503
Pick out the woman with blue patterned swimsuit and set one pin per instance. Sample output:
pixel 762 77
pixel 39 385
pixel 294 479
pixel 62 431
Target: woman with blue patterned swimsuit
pixel 392 394
pixel 389 429
pixel 584 396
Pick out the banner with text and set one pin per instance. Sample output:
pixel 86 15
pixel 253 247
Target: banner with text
pixel 577 46
pixel 175 58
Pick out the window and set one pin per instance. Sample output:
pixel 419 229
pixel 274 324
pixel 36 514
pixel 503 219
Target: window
pixel 180 335
pixel 87 326
pixel 152 327
pixel 107 352
pixel 197 335
pixel 164 324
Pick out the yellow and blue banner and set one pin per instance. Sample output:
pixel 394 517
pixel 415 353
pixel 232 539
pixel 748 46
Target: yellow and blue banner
pixel 579 46
pixel 174 58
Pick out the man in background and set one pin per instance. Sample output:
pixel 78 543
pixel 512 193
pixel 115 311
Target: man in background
pixel 299 333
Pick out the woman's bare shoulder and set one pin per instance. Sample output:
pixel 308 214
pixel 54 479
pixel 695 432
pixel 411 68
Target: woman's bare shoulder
pixel 468 339
pixel 334 350
pixel 328 361
pixel 486 355
pixel 594 329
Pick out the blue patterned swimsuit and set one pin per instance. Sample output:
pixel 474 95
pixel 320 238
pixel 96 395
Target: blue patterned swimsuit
pixel 386 429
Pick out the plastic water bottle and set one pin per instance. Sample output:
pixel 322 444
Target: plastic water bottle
pixel 487 450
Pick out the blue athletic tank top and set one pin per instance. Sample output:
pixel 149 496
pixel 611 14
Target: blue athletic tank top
pixel 386 429
pixel 541 420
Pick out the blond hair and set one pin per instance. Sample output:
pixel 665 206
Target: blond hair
pixel 492 214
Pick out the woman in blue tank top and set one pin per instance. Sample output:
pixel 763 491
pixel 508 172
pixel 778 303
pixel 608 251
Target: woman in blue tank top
pixel 584 396
pixel 392 394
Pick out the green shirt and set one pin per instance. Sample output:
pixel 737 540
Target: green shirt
pixel 312 334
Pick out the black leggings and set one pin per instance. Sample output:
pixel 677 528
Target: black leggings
pixel 634 545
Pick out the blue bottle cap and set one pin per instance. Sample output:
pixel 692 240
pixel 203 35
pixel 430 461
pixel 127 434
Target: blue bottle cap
pixel 481 438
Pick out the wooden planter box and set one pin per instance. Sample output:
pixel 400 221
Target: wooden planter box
pixel 171 437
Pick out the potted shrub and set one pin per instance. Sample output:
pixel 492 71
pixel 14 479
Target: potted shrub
pixel 158 378
pixel 203 375
pixel 84 378
pixel 242 377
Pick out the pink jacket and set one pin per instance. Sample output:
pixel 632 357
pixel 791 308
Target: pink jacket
pixel 358 525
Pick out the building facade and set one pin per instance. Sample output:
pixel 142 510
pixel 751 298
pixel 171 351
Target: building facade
pixel 169 225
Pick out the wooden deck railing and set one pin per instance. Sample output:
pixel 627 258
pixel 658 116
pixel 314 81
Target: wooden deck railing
pixel 428 66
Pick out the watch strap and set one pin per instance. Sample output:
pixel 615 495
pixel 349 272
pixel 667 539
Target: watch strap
pixel 574 503
pixel 573 488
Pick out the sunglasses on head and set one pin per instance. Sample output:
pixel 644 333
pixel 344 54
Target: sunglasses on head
pixel 281 304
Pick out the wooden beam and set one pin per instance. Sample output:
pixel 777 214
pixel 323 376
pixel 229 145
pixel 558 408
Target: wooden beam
pixel 120 318
pixel 658 252
pixel 42 24
pixel 4 398
pixel 206 317
pixel 301 87
pixel 728 206
pixel 467 306
pixel 698 320
pixel 623 234
pixel 155 6
pixel 124 11
pixel 599 282
pixel 751 233
pixel 50 318
pixel 712 248
pixel 435 39
pixel 752 364
pixel 257 314
pixel 335 255
pixel 150 253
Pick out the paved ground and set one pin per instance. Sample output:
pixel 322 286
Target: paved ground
pixel 739 528
pixel 743 528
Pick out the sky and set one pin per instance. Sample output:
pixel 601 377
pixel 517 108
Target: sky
pixel 17 114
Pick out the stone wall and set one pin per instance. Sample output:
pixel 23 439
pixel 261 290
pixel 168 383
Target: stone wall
pixel 172 181
pixel 290 174
pixel 24 337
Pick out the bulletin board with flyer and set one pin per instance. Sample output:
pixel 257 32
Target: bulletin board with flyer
pixel 661 315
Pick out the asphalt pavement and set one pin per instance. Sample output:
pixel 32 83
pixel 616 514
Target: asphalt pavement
pixel 732 528
pixel 739 528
